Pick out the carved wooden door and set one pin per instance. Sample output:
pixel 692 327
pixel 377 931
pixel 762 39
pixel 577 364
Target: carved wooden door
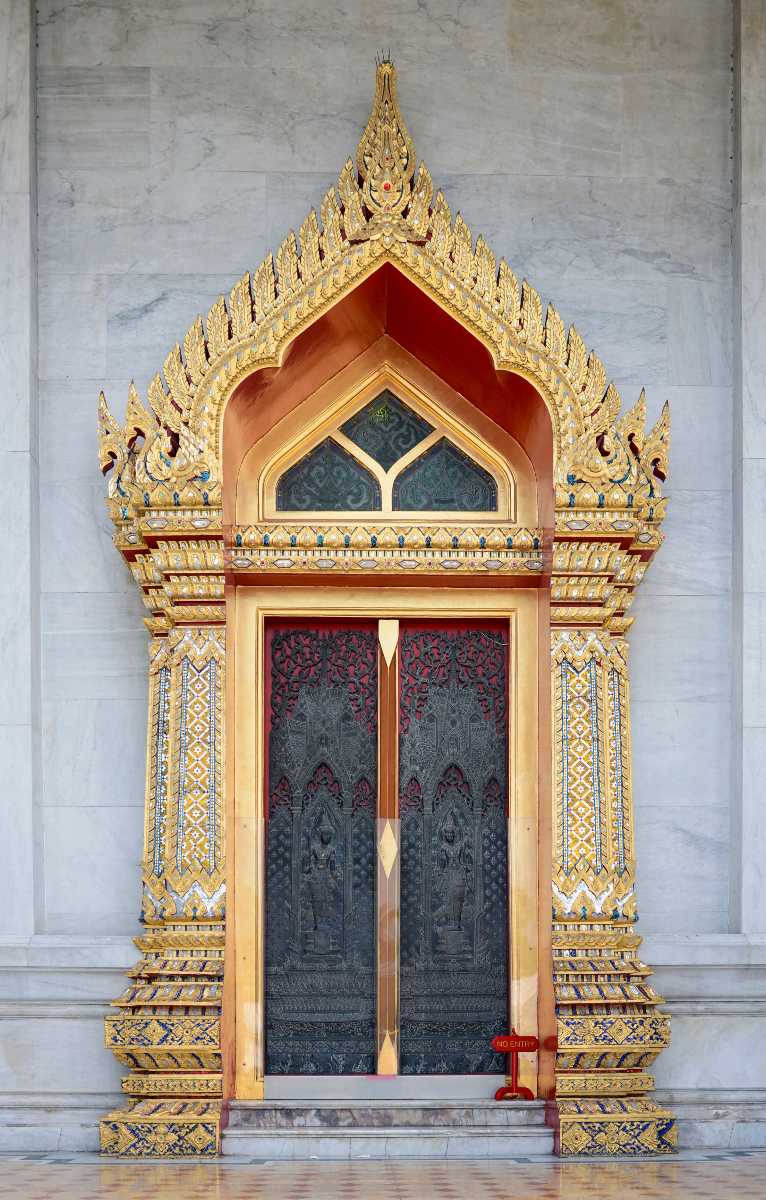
pixel 453 789
pixel 321 701
pixel 387 890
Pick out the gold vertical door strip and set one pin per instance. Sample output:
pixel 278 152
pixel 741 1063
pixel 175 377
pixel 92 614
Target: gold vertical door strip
pixel 387 873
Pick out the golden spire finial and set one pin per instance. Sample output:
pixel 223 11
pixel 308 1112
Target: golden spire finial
pixel 385 159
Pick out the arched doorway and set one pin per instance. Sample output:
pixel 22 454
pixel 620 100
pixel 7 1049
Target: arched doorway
pixel 434 491
pixel 222 506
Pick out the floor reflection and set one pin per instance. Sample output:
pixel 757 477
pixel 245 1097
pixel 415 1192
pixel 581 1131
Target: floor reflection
pixel 705 1177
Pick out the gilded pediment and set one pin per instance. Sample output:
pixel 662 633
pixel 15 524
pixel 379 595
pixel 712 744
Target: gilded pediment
pixel 385 209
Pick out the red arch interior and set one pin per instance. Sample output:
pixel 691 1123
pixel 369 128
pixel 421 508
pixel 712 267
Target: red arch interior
pixel 389 303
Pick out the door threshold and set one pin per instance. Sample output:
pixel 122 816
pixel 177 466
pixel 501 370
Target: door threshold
pixel 381 1087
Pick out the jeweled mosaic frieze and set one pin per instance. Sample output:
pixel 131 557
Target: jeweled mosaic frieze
pixel 184 823
pixel 593 838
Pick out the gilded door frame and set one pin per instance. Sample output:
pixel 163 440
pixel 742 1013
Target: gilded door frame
pixel 244 1009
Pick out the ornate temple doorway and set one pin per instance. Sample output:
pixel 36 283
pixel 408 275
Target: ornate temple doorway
pixel 387 521
pixel 411 974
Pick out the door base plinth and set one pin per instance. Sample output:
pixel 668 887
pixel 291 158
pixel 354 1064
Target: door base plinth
pixel 605 1128
pixel 610 1029
pixel 163 1129
pixel 166 1027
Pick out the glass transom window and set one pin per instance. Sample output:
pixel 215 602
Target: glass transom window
pixel 389 457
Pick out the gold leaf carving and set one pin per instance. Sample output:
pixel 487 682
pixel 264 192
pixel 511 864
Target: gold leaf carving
pixel 139 421
pixel 576 359
pixel 177 381
pixel 354 222
pixel 160 402
pixel 287 266
pixel 195 352
pixel 555 337
pixel 264 290
pixel 420 204
pixel 332 241
pixel 462 252
pixel 385 157
pixel 631 426
pixel 484 261
pixel 654 456
pixel 310 262
pixel 595 383
pixel 531 313
pixel 217 328
pixel 508 294
pixel 112 446
pixel 441 229
pixel 241 307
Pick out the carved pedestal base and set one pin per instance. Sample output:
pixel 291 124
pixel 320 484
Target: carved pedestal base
pixel 605 1127
pixel 169 1033
pixel 609 1030
pixel 163 1128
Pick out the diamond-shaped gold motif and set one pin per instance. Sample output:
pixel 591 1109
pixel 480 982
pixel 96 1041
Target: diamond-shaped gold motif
pixel 154 1032
pixel 387 849
pixel 619 1031
pixel 574 1138
pixel 200 1138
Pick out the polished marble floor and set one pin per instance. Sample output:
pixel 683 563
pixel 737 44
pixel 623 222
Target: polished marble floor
pixel 711 1176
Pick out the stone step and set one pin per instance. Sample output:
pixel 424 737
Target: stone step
pixel 268 1115
pixel 40 1123
pixel 386 1129
pixel 409 1142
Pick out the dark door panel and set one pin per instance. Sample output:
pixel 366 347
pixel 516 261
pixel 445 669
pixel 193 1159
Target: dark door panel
pixel 453 780
pixel 320 912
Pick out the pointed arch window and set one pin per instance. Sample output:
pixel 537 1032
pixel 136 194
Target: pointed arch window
pixel 386 429
pixel 328 479
pixel 387 456
pixel 444 479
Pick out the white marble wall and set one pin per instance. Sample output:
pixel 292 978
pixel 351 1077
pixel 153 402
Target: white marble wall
pixel 177 143
pixel 19 586
pixel 749 827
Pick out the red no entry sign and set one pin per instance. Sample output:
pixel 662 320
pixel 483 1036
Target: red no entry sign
pixel 514 1043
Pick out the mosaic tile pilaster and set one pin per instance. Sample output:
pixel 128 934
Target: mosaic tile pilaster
pixel 167 1025
pixel 183 873
pixel 610 1028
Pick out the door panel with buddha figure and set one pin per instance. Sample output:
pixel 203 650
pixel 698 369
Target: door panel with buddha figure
pixel 453 788
pixel 437 922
